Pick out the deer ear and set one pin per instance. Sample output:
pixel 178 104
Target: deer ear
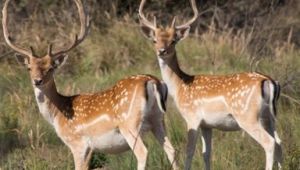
pixel 182 33
pixel 148 32
pixel 60 60
pixel 22 59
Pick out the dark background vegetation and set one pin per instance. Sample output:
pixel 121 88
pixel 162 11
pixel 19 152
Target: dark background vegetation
pixel 229 36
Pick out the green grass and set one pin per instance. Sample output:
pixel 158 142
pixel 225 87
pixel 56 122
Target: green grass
pixel 28 142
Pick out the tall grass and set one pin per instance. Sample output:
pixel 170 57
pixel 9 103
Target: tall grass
pixel 115 49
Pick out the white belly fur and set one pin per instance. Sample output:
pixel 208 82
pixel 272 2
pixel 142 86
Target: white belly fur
pixel 215 113
pixel 111 142
pixel 220 121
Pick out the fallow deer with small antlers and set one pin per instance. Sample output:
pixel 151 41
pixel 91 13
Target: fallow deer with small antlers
pixel 244 101
pixel 111 121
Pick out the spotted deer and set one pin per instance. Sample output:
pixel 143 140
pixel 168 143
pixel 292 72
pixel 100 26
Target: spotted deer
pixel 111 121
pixel 244 101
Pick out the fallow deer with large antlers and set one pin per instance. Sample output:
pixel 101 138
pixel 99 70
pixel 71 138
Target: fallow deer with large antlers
pixel 226 102
pixel 111 121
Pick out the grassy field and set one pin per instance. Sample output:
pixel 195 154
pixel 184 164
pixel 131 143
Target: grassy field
pixel 117 49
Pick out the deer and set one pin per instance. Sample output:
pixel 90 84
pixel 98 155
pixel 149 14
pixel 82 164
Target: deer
pixel 241 101
pixel 111 121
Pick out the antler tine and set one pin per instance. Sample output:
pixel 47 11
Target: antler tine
pixel 6 33
pixel 173 22
pixel 32 51
pixel 50 49
pixel 143 19
pixel 195 10
pixel 84 29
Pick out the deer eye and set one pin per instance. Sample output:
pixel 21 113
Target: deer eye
pixel 29 69
pixel 154 41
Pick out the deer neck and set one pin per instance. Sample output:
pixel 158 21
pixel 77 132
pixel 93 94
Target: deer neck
pixel 173 76
pixel 50 102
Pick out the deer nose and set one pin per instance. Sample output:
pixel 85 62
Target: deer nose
pixel 38 82
pixel 162 51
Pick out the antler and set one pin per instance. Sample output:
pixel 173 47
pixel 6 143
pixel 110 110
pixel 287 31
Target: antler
pixel 193 3
pixel 85 25
pixel 143 19
pixel 8 38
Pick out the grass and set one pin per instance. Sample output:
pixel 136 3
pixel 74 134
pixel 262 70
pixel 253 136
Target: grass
pixel 118 50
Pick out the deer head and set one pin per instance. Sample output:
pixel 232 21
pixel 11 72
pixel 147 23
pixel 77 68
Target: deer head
pixel 165 38
pixel 41 68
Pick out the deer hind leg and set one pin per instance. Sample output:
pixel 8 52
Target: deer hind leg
pixel 271 91
pixel 256 131
pixel 135 142
pixel 158 130
pixel 278 150
pixel 268 123
pixel 206 135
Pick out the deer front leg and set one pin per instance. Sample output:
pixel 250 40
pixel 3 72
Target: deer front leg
pixel 135 142
pixel 191 145
pixel 82 155
pixel 206 146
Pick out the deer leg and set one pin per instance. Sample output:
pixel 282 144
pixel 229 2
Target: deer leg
pixel 206 135
pixel 135 142
pixel 270 128
pixel 158 130
pixel 271 91
pixel 256 131
pixel 268 123
pixel 82 156
pixel 191 145
pixel 278 150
